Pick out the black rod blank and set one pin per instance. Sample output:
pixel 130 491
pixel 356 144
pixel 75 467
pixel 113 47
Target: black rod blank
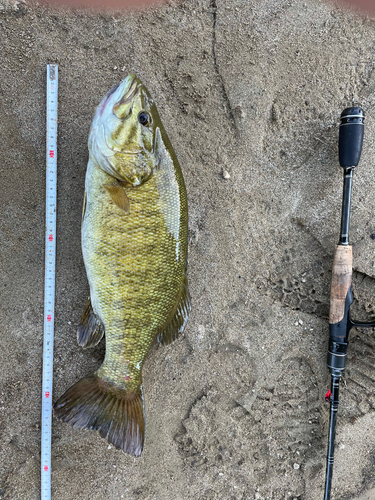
pixel 334 398
pixel 345 213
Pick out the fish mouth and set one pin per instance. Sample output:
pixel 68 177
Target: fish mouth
pixel 129 88
pixel 126 90
pixel 106 98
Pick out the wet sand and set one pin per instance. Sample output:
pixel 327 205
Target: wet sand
pixel 250 93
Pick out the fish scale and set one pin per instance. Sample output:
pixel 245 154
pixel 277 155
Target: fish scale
pixel 141 232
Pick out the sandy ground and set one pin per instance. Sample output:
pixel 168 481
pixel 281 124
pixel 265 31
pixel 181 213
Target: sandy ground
pixel 235 407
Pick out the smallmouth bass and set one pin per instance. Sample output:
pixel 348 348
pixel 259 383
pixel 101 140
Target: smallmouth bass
pixel 134 245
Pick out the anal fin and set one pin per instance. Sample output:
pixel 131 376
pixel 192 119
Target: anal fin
pixel 91 329
pixel 179 319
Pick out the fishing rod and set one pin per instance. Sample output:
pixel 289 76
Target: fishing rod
pixel 340 321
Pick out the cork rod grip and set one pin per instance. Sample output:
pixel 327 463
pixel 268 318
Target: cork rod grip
pixel 341 281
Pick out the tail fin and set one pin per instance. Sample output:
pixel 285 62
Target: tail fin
pixel 93 403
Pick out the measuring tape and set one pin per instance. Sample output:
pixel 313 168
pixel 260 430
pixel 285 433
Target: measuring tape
pixel 49 279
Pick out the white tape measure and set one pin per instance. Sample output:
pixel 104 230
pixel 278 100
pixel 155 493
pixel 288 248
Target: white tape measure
pixel 49 279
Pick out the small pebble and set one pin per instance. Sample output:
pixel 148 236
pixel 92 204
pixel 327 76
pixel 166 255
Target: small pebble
pixel 296 466
pixel 226 174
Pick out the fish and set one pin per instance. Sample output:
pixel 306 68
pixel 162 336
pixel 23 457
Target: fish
pixel 134 245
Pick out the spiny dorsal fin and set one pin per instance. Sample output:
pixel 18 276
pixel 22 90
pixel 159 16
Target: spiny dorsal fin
pixel 91 329
pixel 118 196
pixel 179 319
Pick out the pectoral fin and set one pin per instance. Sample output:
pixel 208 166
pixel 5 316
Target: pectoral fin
pixel 118 196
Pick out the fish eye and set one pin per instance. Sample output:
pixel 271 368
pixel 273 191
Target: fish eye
pixel 144 118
